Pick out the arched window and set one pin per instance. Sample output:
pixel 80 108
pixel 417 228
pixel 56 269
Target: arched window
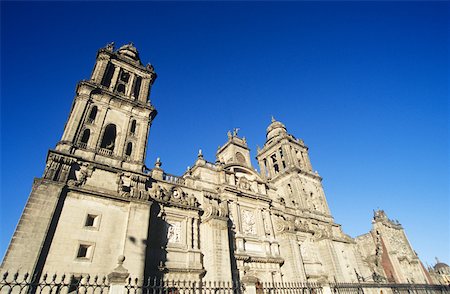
pixel 129 149
pixel 85 136
pixel 109 137
pixel 133 126
pixel 93 114
pixel 121 88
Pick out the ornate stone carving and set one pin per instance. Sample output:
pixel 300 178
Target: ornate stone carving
pixel 174 195
pixel 214 207
pixel 81 175
pixel 58 167
pixel 248 222
pixel 123 185
pixel 174 232
pixel 301 225
pixel 244 184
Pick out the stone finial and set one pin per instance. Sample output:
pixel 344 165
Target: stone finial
pixel 158 163
pixel 273 119
pixel 200 154
pixel 235 132
pixel 119 274
pixel 110 47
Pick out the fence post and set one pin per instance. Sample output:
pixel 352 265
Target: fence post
pixel 118 278
pixel 249 283
pixel 326 289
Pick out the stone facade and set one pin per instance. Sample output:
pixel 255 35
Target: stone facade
pixel 389 254
pixel 219 221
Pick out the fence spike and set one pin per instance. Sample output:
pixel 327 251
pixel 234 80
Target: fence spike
pixel 5 275
pixel 15 276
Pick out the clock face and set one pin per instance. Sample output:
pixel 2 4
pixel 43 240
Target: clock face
pixel 240 158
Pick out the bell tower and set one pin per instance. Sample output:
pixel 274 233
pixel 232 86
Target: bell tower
pixel 111 113
pixel 284 161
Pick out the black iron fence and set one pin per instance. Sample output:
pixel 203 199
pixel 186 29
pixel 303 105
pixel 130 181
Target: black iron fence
pixel 153 286
pixel 289 288
pixel 65 284
pixel 85 284
pixel 381 288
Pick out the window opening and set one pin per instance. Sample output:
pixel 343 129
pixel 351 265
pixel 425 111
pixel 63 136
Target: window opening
pixel 91 220
pixel 129 149
pixel 93 114
pixel 137 87
pixel 109 137
pixel 106 81
pixel 85 136
pixel 133 126
pixel 121 88
pixel 83 251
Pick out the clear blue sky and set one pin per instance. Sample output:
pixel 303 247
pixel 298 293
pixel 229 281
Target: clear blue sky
pixel 365 84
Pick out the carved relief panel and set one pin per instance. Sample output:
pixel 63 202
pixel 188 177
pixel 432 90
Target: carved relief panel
pixel 248 222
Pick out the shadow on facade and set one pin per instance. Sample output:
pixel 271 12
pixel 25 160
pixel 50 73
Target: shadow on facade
pixel 232 248
pixel 156 253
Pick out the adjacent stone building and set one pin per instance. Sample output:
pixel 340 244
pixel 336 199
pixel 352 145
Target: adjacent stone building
pixel 219 221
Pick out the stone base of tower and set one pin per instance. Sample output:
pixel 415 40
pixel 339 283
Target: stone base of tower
pixel 34 232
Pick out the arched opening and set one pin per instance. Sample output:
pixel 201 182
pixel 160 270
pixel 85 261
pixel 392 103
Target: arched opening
pixel 133 127
pixel 109 72
pixel 129 149
pixel 109 137
pixel 85 136
pixel 93 114
pixel 121 88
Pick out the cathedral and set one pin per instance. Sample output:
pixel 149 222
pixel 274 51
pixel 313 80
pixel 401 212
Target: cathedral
pixel 219 221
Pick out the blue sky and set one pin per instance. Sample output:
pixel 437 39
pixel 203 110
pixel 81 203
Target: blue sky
pixel 365 84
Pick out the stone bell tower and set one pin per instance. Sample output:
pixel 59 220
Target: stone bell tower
pixel 284 160
pixel 91 205
pixel 111 114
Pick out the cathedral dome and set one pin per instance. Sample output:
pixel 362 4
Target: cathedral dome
pixel 441 265
pixel 129 51
pixel 275 128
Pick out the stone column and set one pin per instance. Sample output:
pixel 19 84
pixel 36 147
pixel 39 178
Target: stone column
pixel 190 239
pixel 307 162
pixel 114 78
pixel 130 87
pixel 294 157
pixel 145 87
pixel 100 68
pixel 195 225
pixel 270 167
pixel 263 170
pixel 249 283
pixel 118 278
pixel 215 247
pixel 290 251
pixel 75 119
pixel 287 155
